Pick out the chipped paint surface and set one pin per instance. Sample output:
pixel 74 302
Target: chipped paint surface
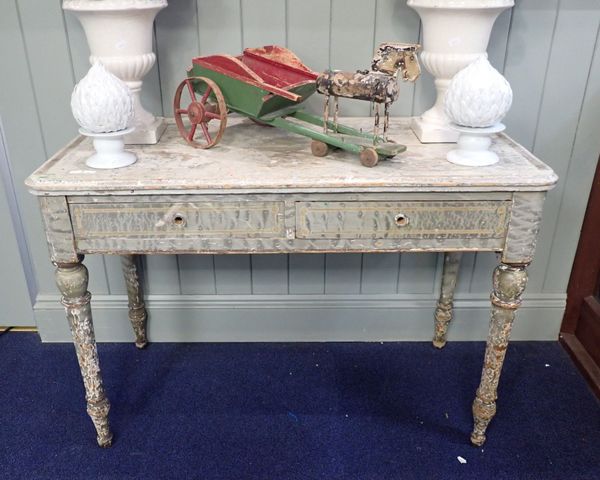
pixel 251 158
pixel 135 296
pixel 508 286
pixel 389 57
pixel 371 86
pixel 72 281
pixel 443 312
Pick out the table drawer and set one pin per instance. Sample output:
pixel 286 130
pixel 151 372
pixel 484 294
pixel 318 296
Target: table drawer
pixel 411 219
pixel 184 219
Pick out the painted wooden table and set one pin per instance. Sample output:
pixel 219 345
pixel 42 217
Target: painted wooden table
pixel 261 191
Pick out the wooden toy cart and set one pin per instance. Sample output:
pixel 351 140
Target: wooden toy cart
pixel 267 85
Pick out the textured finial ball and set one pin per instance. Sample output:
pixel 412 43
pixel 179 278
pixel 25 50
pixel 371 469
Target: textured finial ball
pixel 101 102
pixel 478 96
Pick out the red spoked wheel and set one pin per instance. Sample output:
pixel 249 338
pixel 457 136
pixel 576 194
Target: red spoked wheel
pixel 207 110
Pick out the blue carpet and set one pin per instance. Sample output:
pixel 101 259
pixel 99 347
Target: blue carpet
pixel 295 411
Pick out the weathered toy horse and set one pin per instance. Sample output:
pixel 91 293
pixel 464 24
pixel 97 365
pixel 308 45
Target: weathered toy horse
pixel 378 85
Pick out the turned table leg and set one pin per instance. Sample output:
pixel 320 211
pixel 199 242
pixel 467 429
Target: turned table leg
pixel 443 312
pixel 137 309
pixel 508 286
pixel 72 281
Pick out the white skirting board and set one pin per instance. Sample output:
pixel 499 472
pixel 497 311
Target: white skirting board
pixel 309 318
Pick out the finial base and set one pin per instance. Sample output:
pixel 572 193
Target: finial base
pixel 110 149
pixel 473 146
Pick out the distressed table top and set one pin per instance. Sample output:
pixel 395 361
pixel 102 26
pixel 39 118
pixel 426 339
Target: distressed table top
pixel 252 158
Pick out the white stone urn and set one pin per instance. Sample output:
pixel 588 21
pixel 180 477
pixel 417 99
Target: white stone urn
pixel 119 34
pixel 455 32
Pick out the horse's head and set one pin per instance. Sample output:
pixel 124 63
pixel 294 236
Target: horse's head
pixel 391 57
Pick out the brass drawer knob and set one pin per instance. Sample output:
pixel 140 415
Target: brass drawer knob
pixel 179 220
pixel 401 220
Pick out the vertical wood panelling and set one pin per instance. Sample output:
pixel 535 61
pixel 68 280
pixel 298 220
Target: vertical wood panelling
pixel 397 22
pixel 78 47
pixel 465 274
pixel 24 142
pixel 525 67
pixel 233 274
pixel 308 23
pixel 351 48
pixel 499 40
pixel 161 274
pixel 197 274
pixel 269 274
pixel 176 29
pixel 306 274
pixel 343 273
pixel 308 29
pixel 425 92
pixel 263 23
pixel 576 185
pixel 564 90
pixel 114 275
pixel 48 50
pixel 380 273
pixel 14 294
pixel 417 273
pixel 219 26
pixel 481 279
pixel 151 95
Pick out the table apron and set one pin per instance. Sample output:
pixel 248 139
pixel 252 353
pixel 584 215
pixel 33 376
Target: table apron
pixel 279 223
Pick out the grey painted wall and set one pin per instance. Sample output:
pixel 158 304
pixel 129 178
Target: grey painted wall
pixel 16 295
pixel 547 50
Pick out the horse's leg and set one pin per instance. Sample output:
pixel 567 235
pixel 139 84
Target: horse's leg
pixel 376 129
pixel 386 120
pixel 325 113
pixel 336 111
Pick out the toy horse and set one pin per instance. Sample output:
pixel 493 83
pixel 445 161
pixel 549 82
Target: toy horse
pixel 378 85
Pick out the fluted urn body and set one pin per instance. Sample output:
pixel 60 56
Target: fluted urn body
pixel 455 32
pixel 119 34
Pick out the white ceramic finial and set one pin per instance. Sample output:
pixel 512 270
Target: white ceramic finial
pixel 103 106
pixel 101 103
pixel 478 96
pixel 477 99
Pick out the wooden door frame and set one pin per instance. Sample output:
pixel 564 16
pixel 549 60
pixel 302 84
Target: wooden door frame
pixel 580 337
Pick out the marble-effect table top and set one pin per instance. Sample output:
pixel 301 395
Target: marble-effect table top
pixel 253 158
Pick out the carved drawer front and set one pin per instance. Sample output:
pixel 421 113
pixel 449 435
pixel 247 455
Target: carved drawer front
pixel 172 220
pixel 411 219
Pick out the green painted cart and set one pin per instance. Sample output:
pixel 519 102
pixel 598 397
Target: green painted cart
pixel 267 85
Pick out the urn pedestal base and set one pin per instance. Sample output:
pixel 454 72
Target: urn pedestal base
pixel 428 132
pixel 147 134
